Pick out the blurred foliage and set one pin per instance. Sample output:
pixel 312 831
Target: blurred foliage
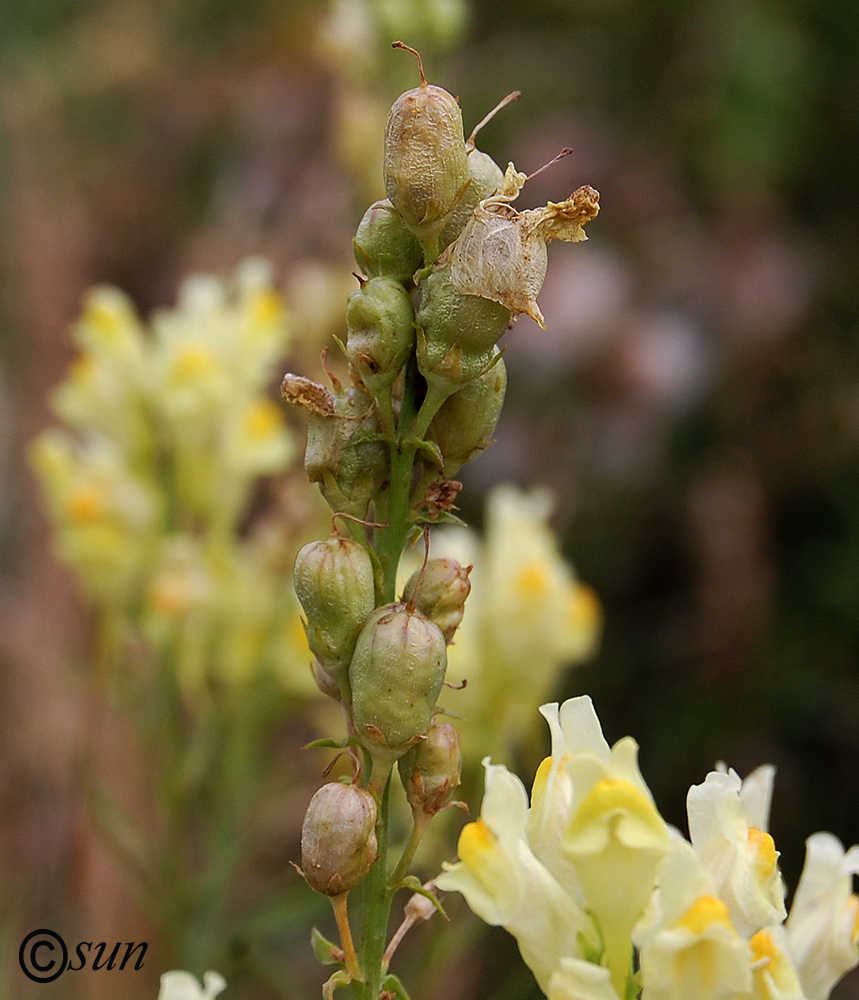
pixel 693 403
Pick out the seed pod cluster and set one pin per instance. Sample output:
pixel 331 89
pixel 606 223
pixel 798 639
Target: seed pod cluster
pixel 446 265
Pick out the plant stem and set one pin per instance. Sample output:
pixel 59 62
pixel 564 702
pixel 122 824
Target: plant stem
pixel 341 915
pixel 377 908
pixel 399 873
pixel 391 540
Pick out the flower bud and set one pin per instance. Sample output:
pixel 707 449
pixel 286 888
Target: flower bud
pixel 439 590
pixel 431 770
pixel 334 583
pixel 380 319
pixel 384 246
pixel 425 158
pixel 396 675
pixel 338 838
pixel 463 426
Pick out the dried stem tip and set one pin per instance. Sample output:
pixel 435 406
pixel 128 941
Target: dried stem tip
pixel 416 54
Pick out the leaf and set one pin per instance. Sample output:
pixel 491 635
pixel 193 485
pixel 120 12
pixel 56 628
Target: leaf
pixel 325 951
pixel 392 985
pixel 414 883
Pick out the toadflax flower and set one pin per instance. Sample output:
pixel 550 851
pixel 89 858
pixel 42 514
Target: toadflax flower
pixel 612 836
pixel 184 986
pixel 823 924
pixel 689 947
pixel 649 914
pixel 506 884
pixel 739 854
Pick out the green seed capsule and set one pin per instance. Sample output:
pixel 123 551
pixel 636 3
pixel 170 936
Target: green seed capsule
pixel 448 316
pixel 439 590
pixel 396 674
pixel 463 426
pixel 486 179
pixel 425 158
pixel 380 320
pixel 338 838
pixel 384 246
pixel 334 584
pixel 344 453
pixel 431 770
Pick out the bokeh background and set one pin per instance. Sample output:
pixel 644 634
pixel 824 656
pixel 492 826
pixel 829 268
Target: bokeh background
pixel 694 403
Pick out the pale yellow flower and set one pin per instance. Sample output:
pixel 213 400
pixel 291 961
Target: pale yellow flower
pixel 688 946
pixel 184 986
pixel 823 924
pixel 614 838
pixel 740 856
pixel 504 882
pixel 105 516
pixel 774 976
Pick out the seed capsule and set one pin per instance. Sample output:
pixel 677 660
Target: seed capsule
pixel 463 426
pixel 501 253
pixel 344 454
pixel 380 320
pixel 439 591
pixel 425 157
pixel 431 770
pixel 338 838
pixel 486 178
pixel 334 584
pixel 384 246
pixel 448 316
pixel 396 674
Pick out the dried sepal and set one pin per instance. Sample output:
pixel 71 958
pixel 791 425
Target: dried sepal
pixel 501 253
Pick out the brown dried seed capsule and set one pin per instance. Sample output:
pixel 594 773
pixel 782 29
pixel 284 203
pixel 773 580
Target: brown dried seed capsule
pixel 338 838
pixel 501 253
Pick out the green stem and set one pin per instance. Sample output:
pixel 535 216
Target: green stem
pixel 377 908
pixel 391 540
pixel 399 873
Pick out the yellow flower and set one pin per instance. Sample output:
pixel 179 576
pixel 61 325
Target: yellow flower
pixel 614 838
pixel 184 986
pixel 505 883
pixel 823 924
pixel 104 515
pixel 689 947
pixel 773 974
pixel 740 857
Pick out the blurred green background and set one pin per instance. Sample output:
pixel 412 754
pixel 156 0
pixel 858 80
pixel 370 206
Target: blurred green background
pixel 694 403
